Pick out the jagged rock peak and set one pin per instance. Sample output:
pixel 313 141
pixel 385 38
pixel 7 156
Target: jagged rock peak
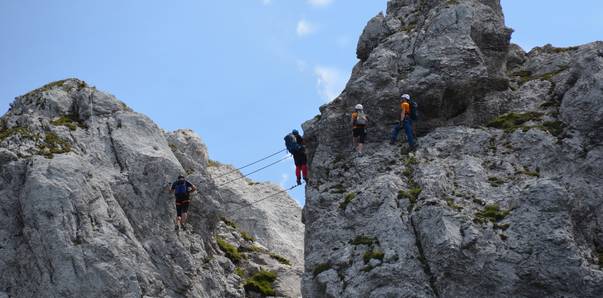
pixel 86 211
pixel 502 197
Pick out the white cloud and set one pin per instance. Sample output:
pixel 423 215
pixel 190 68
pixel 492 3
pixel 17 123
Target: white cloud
pixel 329 82
pixel 320 3
pixel 305 28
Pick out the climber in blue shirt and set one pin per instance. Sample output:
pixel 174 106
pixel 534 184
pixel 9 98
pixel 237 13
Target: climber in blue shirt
pixel 182 189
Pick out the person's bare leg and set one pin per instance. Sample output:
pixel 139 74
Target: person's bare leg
pixel 360 147
pixel 355 142
pixel 184 217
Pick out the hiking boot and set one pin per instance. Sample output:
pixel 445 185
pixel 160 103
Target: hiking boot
pixel 298 181
pixel 184 227
pixel 306 180
pixel 177 227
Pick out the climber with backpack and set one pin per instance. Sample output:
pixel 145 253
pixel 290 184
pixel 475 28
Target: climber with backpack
pixel 359 123
pixel 406 121
pixel 182 189
pixel 295 145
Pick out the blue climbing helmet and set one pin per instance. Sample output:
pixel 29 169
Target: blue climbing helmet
pixel 295 132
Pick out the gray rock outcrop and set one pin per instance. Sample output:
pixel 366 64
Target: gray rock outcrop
pixel 504 195
pixel 86 212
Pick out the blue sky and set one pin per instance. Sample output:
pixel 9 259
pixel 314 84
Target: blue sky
pixel 240 73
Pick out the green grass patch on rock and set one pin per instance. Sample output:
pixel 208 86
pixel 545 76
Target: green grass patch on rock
pixel 363 240
pixel 347 200
pixel 247 237
pixel 535 173
pixel 239 271
pixel 230 250
pixel 491 213
pixel 502 227
pixel 512 121
pixel 53 144
pixel 412 194
pixel 280 259
pixel 553 127
pixel 450 202
pixel 261 282
pixel 495 181
pixel 321 268
pixel 24 132
pixel 228 222
pixel 69 121
pixel 373 254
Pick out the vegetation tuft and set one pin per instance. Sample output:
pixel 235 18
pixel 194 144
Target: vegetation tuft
pixel 412 194
pixel 24 132
pixel 495 181
pixel 230 250
pixel 239 271
pixel 553 127
pixel 491 213
pixel 280 259
pixel 228 222
pixel 347 200
pixel 513 121
pixel 247 236
pixel 261 282
pixel 450 202
pixel 69 121
pixel 364 240
pixel 502 227
pixel 373 254
pixel 53 144
pixel 321 268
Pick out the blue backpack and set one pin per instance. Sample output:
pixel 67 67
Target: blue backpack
pixel 291 143
pixel 181 188
pixel 413 110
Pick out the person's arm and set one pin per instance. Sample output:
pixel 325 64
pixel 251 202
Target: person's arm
pixel 193 188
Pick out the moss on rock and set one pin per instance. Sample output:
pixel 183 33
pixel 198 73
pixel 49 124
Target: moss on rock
pixel 261 282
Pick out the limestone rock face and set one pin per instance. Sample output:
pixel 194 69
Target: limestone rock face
pixel 86 211
pixel 502 197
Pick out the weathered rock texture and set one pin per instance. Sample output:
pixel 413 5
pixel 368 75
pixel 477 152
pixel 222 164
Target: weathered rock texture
pixel 85 211
pixel 504 196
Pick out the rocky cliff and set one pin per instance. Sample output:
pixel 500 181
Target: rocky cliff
pixel 85 211
pixel 503 197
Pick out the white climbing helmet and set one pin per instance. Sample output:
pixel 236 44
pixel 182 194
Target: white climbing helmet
pixel 358 107
pixel 405 96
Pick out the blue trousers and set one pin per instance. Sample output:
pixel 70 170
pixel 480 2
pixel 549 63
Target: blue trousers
pixel 407 125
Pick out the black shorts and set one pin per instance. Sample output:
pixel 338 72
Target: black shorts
pixel 182 203
pixel 181 208
pixel 360 133
pixel 300 158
